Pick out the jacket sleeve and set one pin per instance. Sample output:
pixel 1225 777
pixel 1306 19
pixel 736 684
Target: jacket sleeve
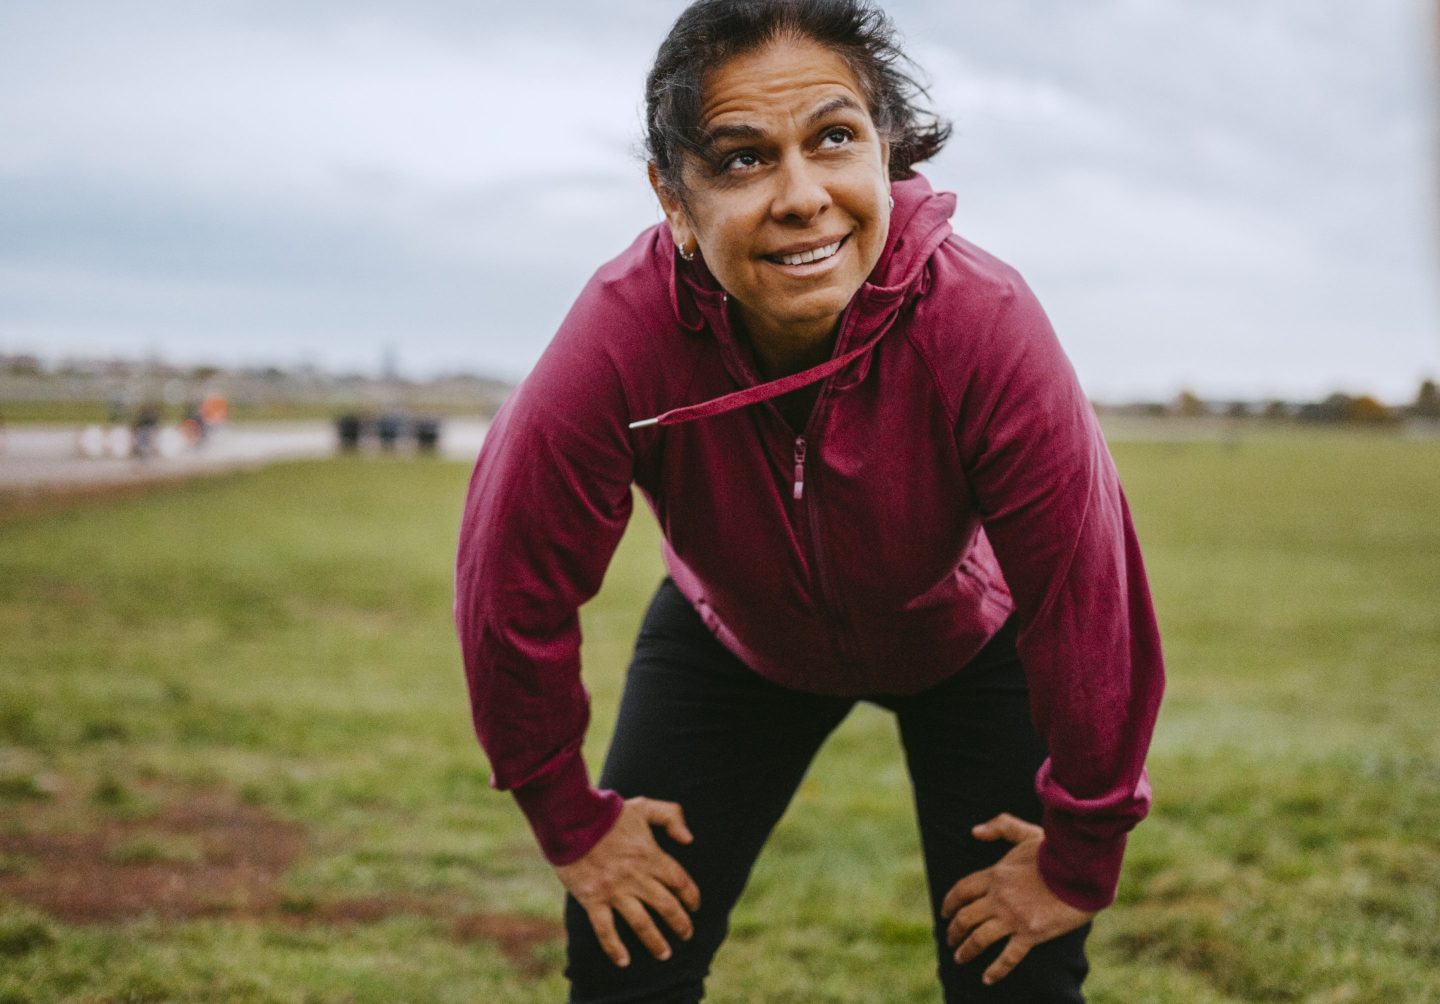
pixel 548 501
pixel 1054 512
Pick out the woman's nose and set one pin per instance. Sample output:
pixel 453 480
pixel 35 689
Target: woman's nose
pixel 801 193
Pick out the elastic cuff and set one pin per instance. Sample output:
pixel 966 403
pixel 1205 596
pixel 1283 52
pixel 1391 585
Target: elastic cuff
pixel 568 816
pixel 1081 871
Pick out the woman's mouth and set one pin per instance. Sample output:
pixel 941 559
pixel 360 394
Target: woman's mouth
pixel 807 257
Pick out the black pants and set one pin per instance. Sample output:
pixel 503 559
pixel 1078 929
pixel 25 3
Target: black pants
pixel 697 727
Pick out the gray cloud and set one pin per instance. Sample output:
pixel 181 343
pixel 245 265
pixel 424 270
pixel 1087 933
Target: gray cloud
pixel 1233 196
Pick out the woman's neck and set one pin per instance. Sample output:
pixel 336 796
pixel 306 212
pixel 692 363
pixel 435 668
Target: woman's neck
pixel 780 353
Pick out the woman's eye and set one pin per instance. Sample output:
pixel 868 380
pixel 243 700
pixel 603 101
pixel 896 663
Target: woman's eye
pixel 838 137
pixel 739 162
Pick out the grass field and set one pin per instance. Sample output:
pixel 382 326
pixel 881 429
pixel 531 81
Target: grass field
pixel 236 761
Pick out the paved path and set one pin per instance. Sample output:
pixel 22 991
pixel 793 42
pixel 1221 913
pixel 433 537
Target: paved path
pixel 50 457
pixel 44 458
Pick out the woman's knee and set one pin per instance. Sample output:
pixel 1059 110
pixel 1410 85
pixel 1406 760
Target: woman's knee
pixel 595 979
pixel 1052 973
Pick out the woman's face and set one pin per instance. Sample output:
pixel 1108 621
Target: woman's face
pixel 790 206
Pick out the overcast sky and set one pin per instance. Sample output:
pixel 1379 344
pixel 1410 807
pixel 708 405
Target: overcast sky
pixel 1236 196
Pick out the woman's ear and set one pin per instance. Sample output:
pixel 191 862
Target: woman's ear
pixel 675 215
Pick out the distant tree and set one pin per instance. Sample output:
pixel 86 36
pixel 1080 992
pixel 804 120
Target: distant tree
pixel 1276 409
pixel 1187 405
pixel 1335 408
pixel 23 365
pixel 1427 402
pixel 1368 410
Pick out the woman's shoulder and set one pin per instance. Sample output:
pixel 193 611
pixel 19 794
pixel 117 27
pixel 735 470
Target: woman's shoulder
pixel 975 300
pixel 634 291
pixel 621 330
pixel 979 325
pixel 965 275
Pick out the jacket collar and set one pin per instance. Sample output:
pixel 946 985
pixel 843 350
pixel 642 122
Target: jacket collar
pixel 919 224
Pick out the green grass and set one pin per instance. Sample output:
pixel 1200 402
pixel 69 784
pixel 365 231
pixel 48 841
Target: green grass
pixel 281 640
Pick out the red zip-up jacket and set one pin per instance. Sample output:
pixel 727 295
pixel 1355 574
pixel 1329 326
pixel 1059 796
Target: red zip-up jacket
pixel 951 472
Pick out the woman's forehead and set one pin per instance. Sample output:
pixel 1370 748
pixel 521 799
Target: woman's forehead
pixel 784 78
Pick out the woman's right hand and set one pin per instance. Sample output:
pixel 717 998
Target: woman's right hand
pixel 627 871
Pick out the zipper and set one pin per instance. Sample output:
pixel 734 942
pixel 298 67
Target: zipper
pixel 799 468
pixel 810 520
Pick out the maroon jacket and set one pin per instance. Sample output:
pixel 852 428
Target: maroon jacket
pixel 951 471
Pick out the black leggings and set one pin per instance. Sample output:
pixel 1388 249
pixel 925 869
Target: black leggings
pixel 697 727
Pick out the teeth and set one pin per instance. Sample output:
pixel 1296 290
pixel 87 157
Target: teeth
pixel 805 257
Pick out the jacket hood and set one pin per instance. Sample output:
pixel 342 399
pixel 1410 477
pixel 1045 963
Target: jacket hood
pixel 919 223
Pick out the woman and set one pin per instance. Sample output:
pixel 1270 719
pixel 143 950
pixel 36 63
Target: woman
pixel 877 479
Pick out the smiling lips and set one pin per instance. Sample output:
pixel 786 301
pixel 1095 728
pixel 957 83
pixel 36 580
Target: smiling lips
pixel 807 256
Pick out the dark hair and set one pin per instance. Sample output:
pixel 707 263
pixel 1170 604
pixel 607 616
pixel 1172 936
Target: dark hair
pixel 711 32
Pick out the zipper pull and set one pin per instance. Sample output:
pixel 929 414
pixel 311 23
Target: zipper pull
pixel 800 467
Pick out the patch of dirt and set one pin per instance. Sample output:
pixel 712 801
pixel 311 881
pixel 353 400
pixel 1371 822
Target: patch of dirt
pixel 518 937
pixel 211 856
pixel 123 867
pixel 17 503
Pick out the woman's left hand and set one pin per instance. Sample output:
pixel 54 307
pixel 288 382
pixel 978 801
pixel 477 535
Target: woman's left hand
pixel 1008 899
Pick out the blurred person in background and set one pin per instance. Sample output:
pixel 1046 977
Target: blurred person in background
pixel 878 479
pixel 145 430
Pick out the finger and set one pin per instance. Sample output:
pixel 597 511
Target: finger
pixel 1009 959
pixel 970 917
pixel 680 882
pixel 639 920
pixel 603 921
pixel 971 887
pixel 663 902
pixel 670 816
pixel 1006 827
pixel 980 939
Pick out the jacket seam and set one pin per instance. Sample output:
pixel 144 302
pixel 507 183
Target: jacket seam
pixel 1006 303
pixel 952 411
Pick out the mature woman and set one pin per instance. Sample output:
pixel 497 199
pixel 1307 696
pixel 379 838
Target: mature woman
pixel 877 479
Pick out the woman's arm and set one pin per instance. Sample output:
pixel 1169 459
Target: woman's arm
pixel 1057 519
pixel 548 501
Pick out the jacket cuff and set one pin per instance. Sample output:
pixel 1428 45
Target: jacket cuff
pixel 1081 870
pixel 567 815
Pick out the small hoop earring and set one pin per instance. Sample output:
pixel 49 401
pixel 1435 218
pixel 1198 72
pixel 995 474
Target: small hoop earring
pixel 892 202
pixel 686 255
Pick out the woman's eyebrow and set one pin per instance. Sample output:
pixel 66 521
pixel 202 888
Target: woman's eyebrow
pixel 739 131
pixel 715 134
pixel 842 103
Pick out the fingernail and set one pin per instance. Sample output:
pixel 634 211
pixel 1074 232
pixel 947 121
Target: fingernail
pixel 987 979
pixel 665 955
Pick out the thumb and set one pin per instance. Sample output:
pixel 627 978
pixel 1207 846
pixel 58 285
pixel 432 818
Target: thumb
pixel 1006 827
pixel 671 817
